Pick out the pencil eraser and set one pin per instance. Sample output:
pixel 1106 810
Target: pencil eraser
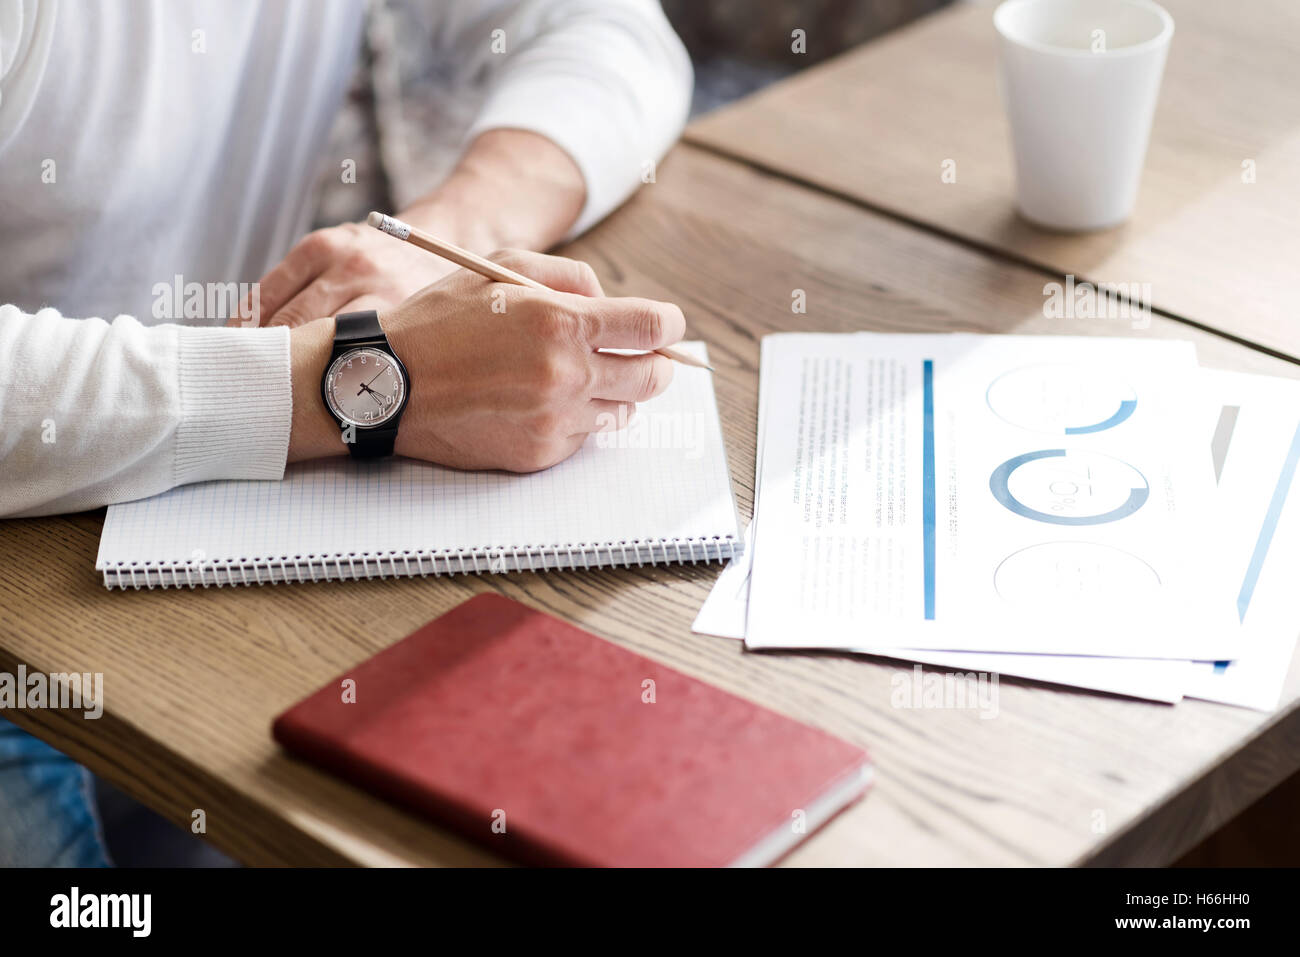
pixel 387 224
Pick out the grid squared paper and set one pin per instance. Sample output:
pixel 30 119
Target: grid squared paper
pixel 661 495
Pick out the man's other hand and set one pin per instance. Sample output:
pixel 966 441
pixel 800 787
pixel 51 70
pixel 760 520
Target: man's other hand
pixel 511 188
pixel 341 269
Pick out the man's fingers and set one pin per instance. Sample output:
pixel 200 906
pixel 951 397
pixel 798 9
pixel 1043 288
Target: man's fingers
pixel 556 272
pixel 304 263
pixel 320 298
pixel 632 323
pixel 630 378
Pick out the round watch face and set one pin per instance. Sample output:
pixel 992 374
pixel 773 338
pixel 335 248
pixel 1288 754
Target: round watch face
pixel 365 387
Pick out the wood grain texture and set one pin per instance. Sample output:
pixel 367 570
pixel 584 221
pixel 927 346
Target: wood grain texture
pixel 194 678
pixel 877 124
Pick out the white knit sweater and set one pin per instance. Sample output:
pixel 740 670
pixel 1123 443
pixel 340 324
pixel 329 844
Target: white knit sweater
pixel 149 144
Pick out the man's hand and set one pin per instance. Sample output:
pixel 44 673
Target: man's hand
pixel 511 188
pixel 342 269
pixel 518 389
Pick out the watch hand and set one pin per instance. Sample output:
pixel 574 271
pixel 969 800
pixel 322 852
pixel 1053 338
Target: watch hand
pixel 375 376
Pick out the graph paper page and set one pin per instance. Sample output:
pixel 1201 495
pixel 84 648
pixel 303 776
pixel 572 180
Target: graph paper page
pixel 664 477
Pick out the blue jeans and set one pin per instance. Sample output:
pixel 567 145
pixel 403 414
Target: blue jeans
pixel 47 806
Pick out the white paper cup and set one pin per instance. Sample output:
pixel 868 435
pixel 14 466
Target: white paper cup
pixel 1080 79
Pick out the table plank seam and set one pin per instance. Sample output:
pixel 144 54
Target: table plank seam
pixel 985 249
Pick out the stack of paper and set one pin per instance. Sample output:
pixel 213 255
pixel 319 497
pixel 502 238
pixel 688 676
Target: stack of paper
pixel 1086 511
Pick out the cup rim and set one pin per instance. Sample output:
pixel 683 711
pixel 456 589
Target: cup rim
pixel 1160 39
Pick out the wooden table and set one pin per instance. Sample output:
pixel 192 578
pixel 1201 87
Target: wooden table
pixel 193 679
pixel 876 125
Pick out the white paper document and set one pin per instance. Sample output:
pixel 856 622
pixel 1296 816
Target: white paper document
pixel 723 612
pixel 1157 679
pixel 985 493
pixel 1251 427
pixel 1255 424
pixel 1253 431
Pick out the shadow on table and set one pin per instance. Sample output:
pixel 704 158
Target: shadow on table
pixel 1266 834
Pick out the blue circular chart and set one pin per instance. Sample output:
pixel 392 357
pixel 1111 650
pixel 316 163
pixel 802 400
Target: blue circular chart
pixel 1061 398
pixel 1071 487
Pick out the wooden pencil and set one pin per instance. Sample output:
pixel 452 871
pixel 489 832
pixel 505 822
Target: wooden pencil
pixel 487 268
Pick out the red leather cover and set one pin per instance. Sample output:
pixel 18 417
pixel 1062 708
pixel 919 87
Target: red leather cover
pixel 495 707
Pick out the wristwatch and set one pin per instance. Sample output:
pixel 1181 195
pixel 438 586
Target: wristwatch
pixel 365 386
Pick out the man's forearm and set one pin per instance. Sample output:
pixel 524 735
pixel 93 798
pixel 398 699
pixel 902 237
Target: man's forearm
pixel 512 188
pixel 95 412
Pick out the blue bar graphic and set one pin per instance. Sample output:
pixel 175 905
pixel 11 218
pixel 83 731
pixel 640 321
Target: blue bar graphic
pixel 1270 525
pixel 927 479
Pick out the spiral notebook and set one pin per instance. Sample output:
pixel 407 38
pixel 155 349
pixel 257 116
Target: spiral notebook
pixel 655 491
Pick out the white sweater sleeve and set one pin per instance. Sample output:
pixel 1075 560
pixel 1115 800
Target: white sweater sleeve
pixel 606 80
pixel 93 412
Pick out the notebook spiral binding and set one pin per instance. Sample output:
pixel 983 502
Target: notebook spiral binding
pixel 311 568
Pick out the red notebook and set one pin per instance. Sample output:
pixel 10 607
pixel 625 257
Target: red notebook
pixel 549 745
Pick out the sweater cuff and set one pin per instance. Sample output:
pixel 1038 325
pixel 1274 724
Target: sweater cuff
pixel 236 404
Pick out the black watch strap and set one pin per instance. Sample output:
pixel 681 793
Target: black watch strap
pixel 358 328
pixel 372 443
pixel 353 329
